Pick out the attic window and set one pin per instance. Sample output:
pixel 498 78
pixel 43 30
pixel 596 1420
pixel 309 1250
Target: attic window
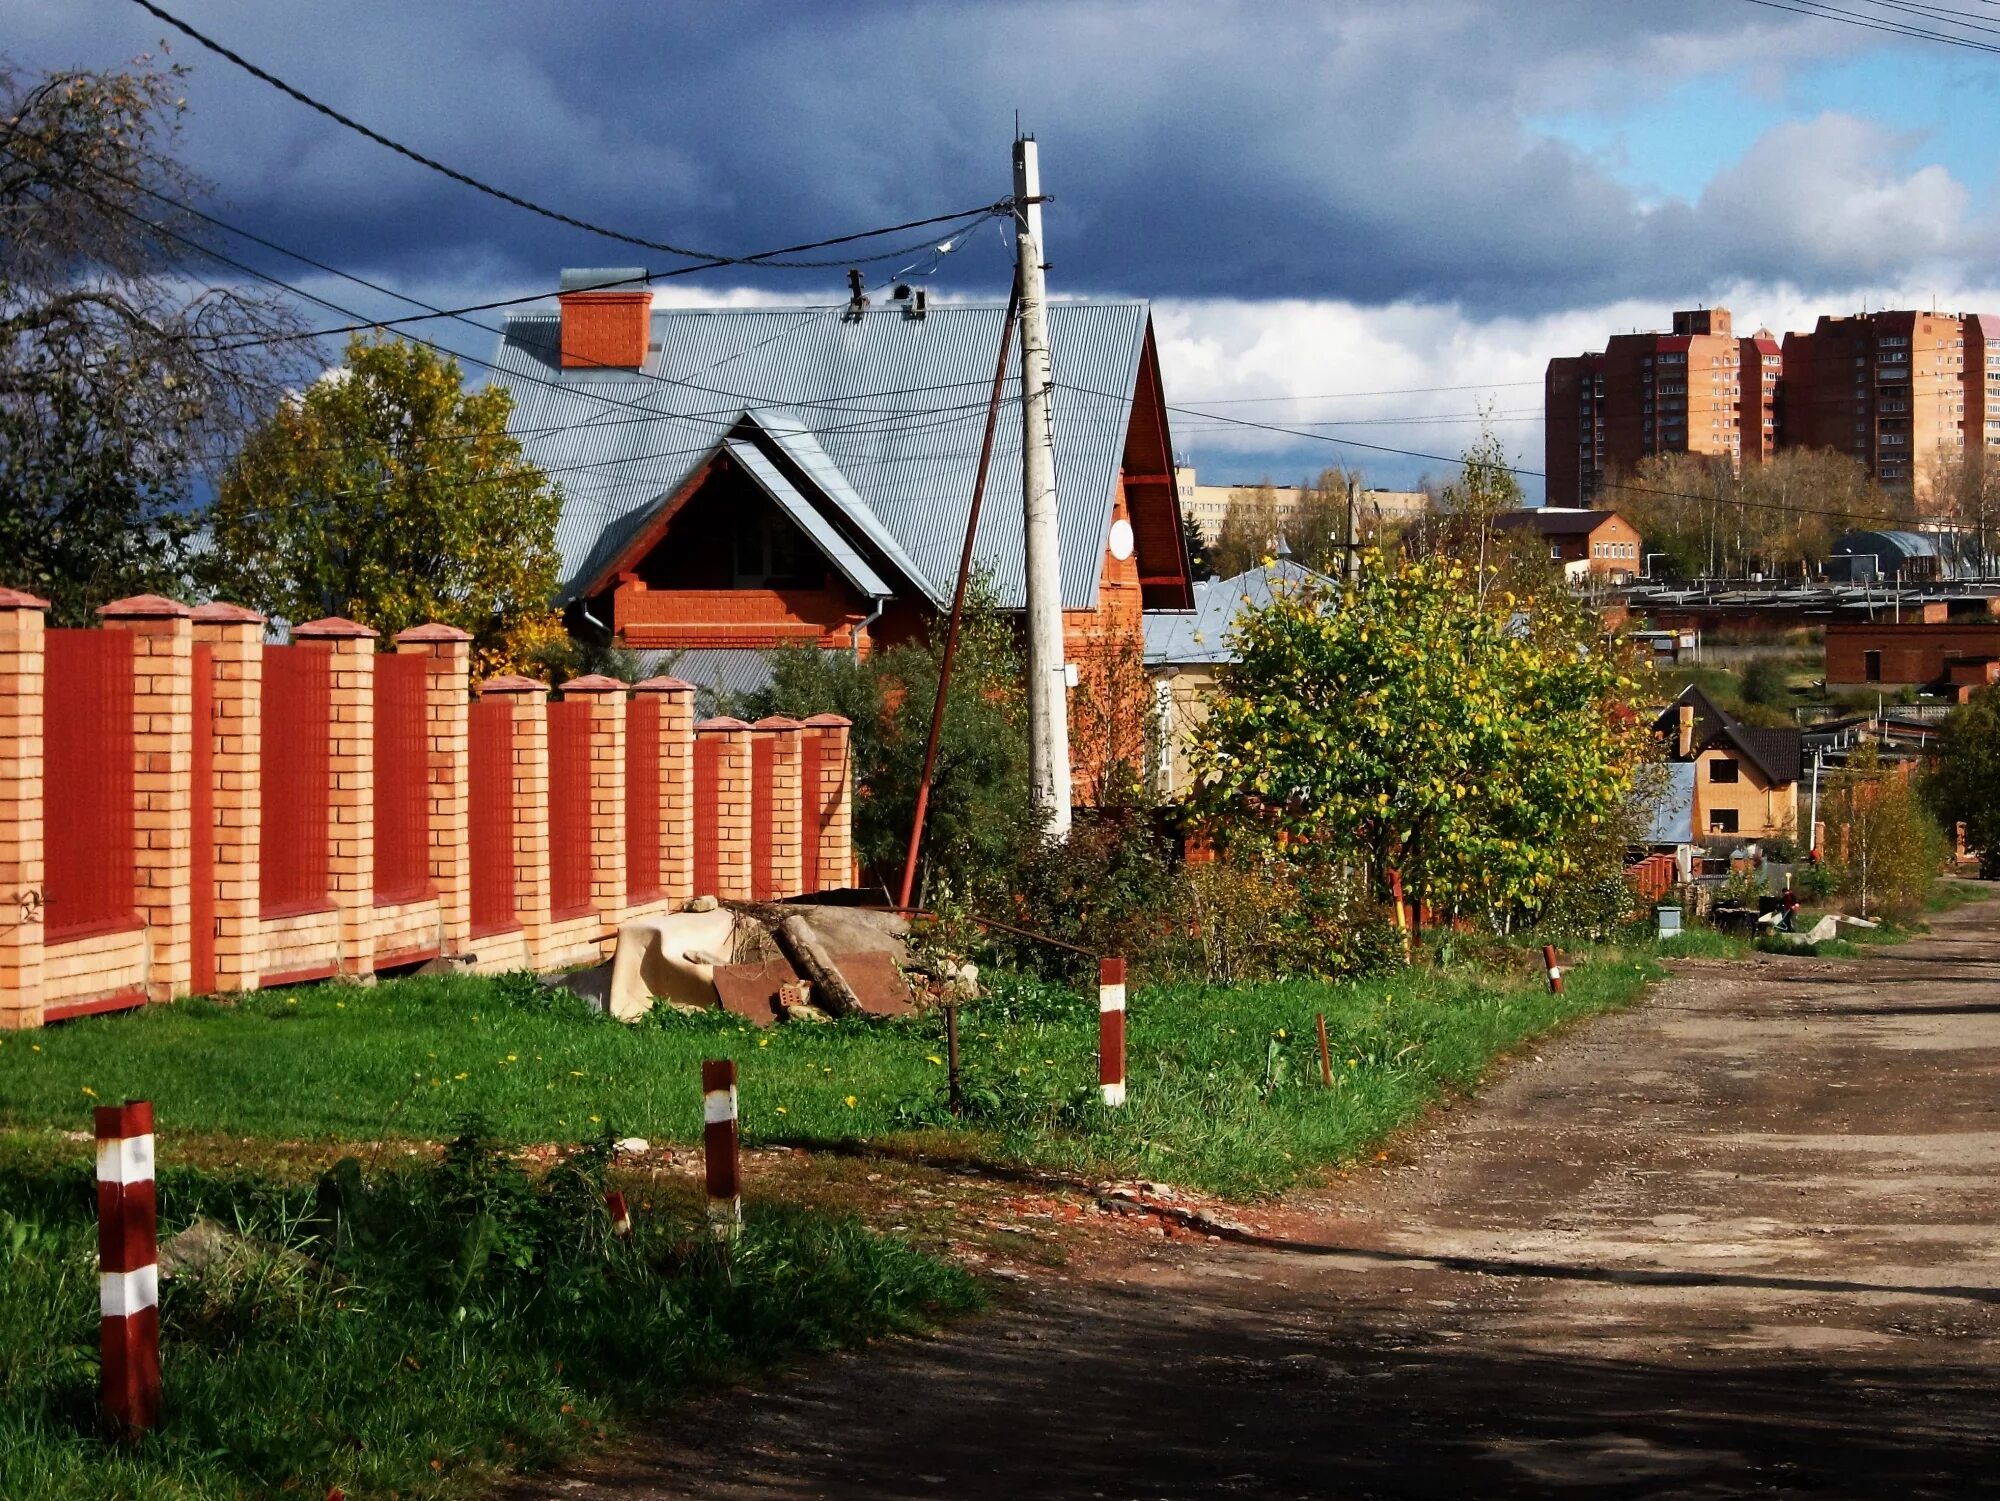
pixel 1722 770
pixel 771 553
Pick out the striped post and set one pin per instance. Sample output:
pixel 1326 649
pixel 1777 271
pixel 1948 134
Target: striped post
pixel 719 1142
pixel 621 1214
pixel 1111 1031
pixel 128 1266
pixel 1554 967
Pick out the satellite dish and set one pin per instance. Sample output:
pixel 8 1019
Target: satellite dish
pixel 1121 539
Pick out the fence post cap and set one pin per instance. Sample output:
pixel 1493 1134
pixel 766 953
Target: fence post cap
pixel 221 612
pixel 21 599
pixel 664 685
pixel 508 682
pixel 334 628
pixel 144 607
pixel 594 682
pixel 434 630
pixel 777 722
pixel 721 724
pixel 831 721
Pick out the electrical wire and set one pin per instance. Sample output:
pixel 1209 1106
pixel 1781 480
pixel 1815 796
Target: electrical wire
pixel 712 258
pixel 1866 22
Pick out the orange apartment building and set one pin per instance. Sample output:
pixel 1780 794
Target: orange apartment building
pixel 743 479
pixel 1699 390
pixel 1900 392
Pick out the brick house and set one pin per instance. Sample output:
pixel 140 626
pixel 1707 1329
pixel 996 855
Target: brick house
pixel 1600 544
pixel 1929 649
pixel 741 479
pixel 1745 779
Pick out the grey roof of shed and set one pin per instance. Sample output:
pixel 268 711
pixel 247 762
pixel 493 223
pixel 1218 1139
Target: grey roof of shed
pixel 1187 638
pixel 884 412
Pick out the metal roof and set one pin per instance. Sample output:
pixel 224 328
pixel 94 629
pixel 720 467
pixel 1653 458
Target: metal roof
pixel 1186 638
pixel 717 672
pixel 853 567
pixel 894 404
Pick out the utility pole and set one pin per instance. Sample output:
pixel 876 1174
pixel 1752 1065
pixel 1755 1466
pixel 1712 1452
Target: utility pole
pixel 1048 686
pixel 1353 531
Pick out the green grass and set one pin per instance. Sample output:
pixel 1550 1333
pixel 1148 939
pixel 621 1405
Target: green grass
pixel 472 1332
pixel 1224 1084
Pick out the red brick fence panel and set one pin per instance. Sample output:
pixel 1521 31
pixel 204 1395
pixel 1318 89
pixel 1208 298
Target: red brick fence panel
pixel 707 815
pixel 88 802
pixel 201 823
pixel 569 809
pixel 643 862
pixel 402 791
pixel 491 833
pixel 298 691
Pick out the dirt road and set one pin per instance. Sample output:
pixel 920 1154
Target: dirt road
pixel 1742 1240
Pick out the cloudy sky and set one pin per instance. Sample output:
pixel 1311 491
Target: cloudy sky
pixel 1388 213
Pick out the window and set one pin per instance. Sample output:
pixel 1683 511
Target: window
pixel 1555 552
pixel 1871 666
pixel 1722 820
pixel 1723 770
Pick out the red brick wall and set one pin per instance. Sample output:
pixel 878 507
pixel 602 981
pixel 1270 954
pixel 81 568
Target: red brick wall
pixel 1911 652
pixel 734 617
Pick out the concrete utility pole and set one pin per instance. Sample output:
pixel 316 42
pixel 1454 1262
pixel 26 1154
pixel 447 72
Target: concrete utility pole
pixel 1048 687
pixel 1353 530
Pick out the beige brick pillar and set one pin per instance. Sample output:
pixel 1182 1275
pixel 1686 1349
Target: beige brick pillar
pixel 676 786
pixel 829 807
pixel 780 739
pixel 607 793
pixel 235 639
pixel 162 777
pixel 448 752
pixel 350 801
pixel 531 803
pixel 733 815
pixel 21 874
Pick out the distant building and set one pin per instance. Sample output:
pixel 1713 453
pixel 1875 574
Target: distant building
pixel 1209 504
pixel 1602 544
pixel 1745 782
pixel 1901 393
pixel 1698 390
pixel 1916 651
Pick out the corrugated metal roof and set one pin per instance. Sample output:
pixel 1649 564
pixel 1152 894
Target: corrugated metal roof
pixel 853 567
pixel 1182 638
pixel 716 671
pixel 894 404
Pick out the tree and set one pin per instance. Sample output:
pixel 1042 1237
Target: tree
pixel 1248 533
pixel 978 817
pixel 1963 785
pixel 1886 850
pixel 388 493
pixel 122 377
pixel 1199 565
pixel 1407 726
pixel 1967 490
pixel 1317 533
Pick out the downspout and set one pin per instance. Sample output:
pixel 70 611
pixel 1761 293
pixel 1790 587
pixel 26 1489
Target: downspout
pixel 854 639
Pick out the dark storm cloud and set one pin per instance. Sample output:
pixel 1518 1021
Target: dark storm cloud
pixel 1369 150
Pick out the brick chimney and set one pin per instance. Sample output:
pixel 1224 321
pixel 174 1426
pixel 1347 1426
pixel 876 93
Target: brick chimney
pixel 1687 731
pixel 606 317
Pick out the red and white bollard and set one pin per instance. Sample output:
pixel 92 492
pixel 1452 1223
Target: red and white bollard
pixel 621 1215
pixel 1111 1031
pixel 719 1143
pixel 128 1250
pixel 1555 969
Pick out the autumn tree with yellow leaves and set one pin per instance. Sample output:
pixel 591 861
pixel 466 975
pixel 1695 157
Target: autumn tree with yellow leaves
pixel 388 493
pixel 1475 746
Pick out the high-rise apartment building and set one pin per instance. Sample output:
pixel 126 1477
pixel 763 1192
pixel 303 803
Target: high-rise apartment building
pixel 1902 393
pixel 1699 390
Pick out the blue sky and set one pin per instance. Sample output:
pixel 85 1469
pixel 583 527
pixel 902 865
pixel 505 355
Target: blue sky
pixel 1425 199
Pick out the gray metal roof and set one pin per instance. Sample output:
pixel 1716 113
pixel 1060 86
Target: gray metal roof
pixel 893 404
pixel 716 671
pixel 1185 638
pixel 853 567
pixel 1673 815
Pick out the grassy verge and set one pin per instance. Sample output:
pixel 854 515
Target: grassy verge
pixel 1225 1091
pixel 463 1322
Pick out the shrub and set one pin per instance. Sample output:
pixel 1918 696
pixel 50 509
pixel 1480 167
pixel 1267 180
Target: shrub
pixel 1764 681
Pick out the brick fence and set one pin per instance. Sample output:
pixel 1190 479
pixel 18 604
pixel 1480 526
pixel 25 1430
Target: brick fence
pixel 186 808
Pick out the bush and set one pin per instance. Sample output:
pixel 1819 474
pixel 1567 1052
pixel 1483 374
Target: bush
pixel 1764 682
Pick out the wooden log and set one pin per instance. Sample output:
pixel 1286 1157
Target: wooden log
pixel 801 945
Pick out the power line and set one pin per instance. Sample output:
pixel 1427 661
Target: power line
pixel 1876 22
pixel 1491 385
pixel 710 258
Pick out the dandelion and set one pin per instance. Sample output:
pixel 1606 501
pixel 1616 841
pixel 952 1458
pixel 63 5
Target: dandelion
pixel 89 1091
pixel 1281 1031
pixel 576 1073
pixel 340 1005
pixel 458 1076
pixel 513 1057
pixel 291 1000
pixel 781 1110
pixel 932 1058
pixel 763 1042
pixel 34 1047
pixel 851 1102
pixel 1354 1063
pixel 594 1120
